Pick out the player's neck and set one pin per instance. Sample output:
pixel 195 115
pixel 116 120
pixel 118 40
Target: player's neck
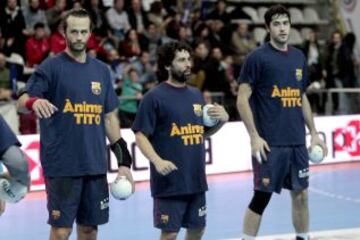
pixel 175 83
pixel 77 56
pixel 279 46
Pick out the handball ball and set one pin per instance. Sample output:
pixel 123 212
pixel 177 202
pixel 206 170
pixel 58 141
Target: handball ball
pixel 208 121
pixel 316 155
pixel 121 188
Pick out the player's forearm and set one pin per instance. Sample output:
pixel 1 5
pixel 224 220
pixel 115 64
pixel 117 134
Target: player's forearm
pixel 245 112
pixel 146 148
pixel 308 117
pixel 112 127
pixel 21 103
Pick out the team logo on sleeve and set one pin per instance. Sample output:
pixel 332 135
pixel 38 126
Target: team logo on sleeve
pixel 96 88
pixel 197 110
pixel 299 74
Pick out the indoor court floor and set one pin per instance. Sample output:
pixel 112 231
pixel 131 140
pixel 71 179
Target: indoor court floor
pixel 334 198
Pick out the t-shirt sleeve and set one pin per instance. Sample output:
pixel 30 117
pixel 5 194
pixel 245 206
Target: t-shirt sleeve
pixel 111 100
pixel 250 70
pixel 38 84
pixel 146 116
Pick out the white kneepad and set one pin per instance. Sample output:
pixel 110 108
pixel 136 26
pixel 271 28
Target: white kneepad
pixel 12 191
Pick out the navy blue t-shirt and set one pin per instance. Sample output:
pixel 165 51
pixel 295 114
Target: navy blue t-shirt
pixel 73 140
pixel 172 120
pixel 7 137
pixel 278 80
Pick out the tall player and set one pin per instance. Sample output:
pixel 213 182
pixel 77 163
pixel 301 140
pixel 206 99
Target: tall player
pixel 274 79
pixel 73 96
pixel 169 131
pixel 13 186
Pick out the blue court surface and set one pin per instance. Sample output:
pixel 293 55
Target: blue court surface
pixel 334 210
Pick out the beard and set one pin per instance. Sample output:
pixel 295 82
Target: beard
pixel 181 76
pixel 77 47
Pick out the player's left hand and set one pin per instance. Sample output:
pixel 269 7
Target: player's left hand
pixel 218 112
pixel 316 140
pixel 125 171
pixel 2 207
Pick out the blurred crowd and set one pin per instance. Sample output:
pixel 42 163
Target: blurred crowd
pixel 126 35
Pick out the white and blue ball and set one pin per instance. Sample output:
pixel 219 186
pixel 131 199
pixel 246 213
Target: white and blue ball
pixel 121 188
pixel 207 120
pixel 316 154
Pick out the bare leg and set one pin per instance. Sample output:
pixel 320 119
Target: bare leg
pixel 194 234
pixel 60 233
pixel 86 232
pixel 300 211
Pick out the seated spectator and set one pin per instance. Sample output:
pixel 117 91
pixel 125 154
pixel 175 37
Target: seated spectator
pixel 12 25
pixel 137 16
pixel 242 43
pixel 33 14
pixel 144 68
pixel 130 95
pixel 7 106
pixel 118 19
pixel 57 40
pixel 130 46
pixel 37 47
pixel 219 13
pixel 55 14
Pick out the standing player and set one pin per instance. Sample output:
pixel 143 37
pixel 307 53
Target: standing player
pixel 13 187
pixel 169 131
pixel 73 96
pixel 274 79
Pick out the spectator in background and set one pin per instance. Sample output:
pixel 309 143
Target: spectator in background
pixel 242 43
pixel 96 12
pixel 157 13
pixel 118 19
pixel 7 107
pixel 219 13
pixel 152 40
pixel 144 68
pixel 346 75
pixel 33 14
pixel 130 46
pixel 137 16
pixel 314 58
pixel 55 14
pixel 37 47
pixel 332 67
pixel 12 25
pixel 117 67
pixel 57 40
pixel 201 61
pixel 131 94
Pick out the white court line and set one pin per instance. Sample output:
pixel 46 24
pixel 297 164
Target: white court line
pixel 340 234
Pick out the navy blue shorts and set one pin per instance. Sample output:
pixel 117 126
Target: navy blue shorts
pixel 286 167
pixel 172 213
pixel 85 199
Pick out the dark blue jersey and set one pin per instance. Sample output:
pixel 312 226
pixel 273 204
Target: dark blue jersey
pixel 172 120
pixel 7 137
pixel 278 80
pixel 73 139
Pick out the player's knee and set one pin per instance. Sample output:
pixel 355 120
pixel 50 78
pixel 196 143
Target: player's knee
pixel 60 233
pixel 87 232
pixel 168 235
pixel 300 198
pixel 195 234
pixel 259 201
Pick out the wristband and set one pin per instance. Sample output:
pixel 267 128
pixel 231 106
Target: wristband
pixel 30 102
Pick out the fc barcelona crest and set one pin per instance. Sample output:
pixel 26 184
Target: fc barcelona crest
pixel 299 74
pixel 96 88
pixel 197 110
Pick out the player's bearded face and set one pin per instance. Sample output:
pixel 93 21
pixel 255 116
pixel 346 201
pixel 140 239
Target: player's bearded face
pixel 181 66
pixel 77 33
pixel 279 29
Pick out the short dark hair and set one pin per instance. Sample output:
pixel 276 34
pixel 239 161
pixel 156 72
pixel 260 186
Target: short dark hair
pixel 166 55
pixel 39 25
pixel 275 10
pixel 79 13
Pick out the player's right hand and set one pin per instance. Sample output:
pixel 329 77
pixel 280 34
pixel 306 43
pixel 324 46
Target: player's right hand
pixel 259 148
pixel 2 207
pixel 164 167
pixel 43 108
